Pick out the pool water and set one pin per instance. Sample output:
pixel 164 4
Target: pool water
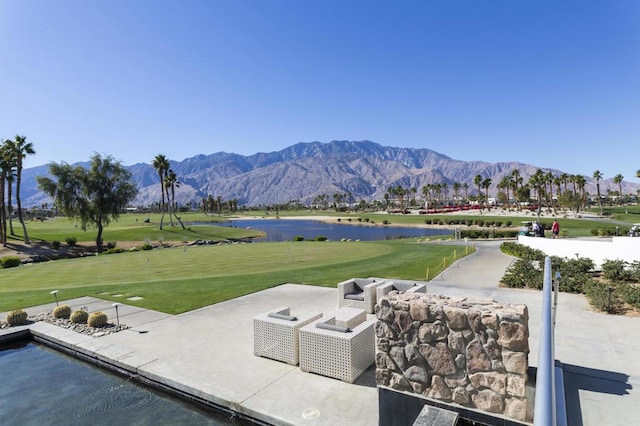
pixel 41 386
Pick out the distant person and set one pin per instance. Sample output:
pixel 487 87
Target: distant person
pixel 555 229
pixel 536 229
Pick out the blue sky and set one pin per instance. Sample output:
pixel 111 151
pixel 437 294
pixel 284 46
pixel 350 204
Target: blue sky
pixel 553 84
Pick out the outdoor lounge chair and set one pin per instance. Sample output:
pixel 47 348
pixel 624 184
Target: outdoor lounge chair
pixel 276 334
pixel 358 293
pixel 341 345
pixel 404 287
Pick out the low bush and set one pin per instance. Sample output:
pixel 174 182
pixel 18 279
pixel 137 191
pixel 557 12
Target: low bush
pixel 522 273
pixel 55 244
pixel 10 262
pixel 631 294
pixel 385 222
pixel 298 238
pixel 111 244
pixel 603 297
pixel 114 250
pixel 321 238
pixel 147 246
pixel 617 271
pixel 71 241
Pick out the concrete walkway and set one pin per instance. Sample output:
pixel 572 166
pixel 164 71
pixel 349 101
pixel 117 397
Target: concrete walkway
pixel 208 352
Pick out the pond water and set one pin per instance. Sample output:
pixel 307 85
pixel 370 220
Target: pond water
pixel 45 387
pixel 287 229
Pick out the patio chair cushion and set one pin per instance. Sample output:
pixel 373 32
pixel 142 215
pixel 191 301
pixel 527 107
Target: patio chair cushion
pixel 355 296
pixel 282 316
pixel 333 327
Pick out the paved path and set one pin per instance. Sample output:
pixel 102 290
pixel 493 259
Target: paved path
pixel 209 351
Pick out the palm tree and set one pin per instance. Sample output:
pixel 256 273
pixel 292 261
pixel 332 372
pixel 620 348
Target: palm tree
pixel 517 180
pixel 465 186
pixel 538 182
pixel 478 181
pixel 504 184
pixel 486 183
pixel 618 180
pixel 580 183
pixel 171 182
pixel 597 175
pixel 456 192
pixel 161 165
pixel 21 148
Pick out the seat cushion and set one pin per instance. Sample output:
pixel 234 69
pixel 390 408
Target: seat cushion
pixel 281 316
pixel 355 296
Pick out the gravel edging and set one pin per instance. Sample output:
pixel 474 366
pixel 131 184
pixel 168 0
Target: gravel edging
pixel 109 328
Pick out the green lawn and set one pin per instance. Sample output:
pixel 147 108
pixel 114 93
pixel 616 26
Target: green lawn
pixel 176 280
pixel 132 227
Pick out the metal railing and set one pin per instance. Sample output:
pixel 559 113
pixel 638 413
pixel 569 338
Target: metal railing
pixel 549 409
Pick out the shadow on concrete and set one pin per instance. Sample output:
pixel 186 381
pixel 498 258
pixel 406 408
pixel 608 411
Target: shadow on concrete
pixel 578 378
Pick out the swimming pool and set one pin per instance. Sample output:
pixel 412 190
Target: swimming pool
pixel 43 386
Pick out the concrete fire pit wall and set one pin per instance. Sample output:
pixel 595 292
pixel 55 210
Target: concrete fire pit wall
pixel 472 352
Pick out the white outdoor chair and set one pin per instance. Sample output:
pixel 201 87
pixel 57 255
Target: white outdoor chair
pixel 404 287
pixel 358 293
pixel 276 334
pixel 341 345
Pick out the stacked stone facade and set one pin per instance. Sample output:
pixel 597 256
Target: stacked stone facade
pixel 467 351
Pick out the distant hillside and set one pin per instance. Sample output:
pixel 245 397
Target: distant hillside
pixel 305 170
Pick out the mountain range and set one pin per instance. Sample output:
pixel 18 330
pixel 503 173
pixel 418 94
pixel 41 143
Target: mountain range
pixel 304 171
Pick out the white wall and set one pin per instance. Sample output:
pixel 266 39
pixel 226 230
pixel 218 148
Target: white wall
pixel 598 250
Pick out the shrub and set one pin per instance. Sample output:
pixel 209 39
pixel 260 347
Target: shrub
pixel 114 250
pixel 385 222
pixel 630 294
pixel 10 262
pixel 298 238
pixel 79 317
pixel 62 311
pixel 603 297
pixel 339 220
pixel 111 244
pixel 359 219
pixel 617 271
pixel 508 223
pixel 55 244
pixel 17 317
pixel 71 241
pixel 147 246
pixel 480 222
pixel 321 238
pixel 498 223
pixel 522 273
pixel 469 222
pixel 427 221
pixel 366 219
pixel 97 319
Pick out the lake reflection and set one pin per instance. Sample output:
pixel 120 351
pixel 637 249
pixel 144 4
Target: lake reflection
pixel 287 229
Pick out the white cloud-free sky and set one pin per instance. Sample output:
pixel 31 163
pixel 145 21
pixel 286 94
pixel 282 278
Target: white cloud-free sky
pixel 553 84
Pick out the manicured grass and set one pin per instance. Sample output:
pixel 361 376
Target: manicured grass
pixel 176 280
pixel 132 227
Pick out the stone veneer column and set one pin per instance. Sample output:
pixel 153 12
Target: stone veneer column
pixel 472 352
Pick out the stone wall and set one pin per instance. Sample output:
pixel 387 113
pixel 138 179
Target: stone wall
pixel 472 352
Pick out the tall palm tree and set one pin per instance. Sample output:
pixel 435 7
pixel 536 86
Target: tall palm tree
pixel 478 182
pixel 456 192
pixel 597 175
pixel 465 186
pixel 21 148
pixel 171 183
pixel 505 184
pixel 618 180
pixel 517 180
pixel 486 183
pixel 580 182
pixel 161 165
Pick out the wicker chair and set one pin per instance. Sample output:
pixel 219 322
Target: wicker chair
pixel 358 293
pixel 276 334
pixel 404 287
pixel 340 345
